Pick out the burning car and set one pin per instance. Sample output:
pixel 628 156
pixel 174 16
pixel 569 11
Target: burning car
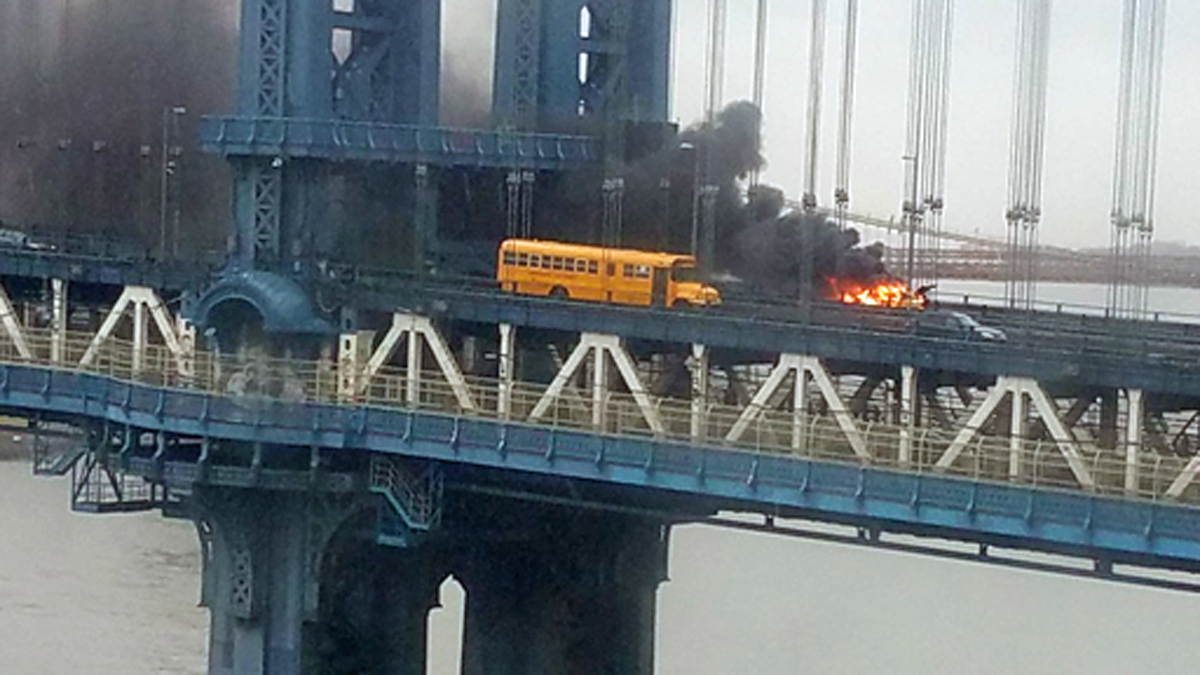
pixel 883 293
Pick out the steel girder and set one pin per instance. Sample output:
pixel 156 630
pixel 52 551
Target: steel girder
pixel 1154 534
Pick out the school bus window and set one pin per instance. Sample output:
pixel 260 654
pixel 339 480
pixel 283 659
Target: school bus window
pixel 523 260
pixel 593 268
pixel 535 260
pixel 684 273
pixel 627 270
pixel 547 262
pixel 556 263
pixel 510 258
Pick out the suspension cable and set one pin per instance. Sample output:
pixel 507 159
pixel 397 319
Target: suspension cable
pixel 760 65
pixel 841 195
pixel 816 64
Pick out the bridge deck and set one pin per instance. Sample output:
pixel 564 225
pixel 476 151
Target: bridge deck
pixel 972 501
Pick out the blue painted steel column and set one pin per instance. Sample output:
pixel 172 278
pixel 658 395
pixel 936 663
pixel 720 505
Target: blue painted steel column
pixel 255 582
pixel 539 47
pixel 649 61
pixel 293 589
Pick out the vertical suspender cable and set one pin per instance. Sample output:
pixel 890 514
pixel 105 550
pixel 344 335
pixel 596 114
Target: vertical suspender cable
pixel 1013 216
pixel 1027 150
pixel 714 79
pixel 841 194
pixel 1136 155
pixel 943 119
pixel 1043 68
pixel 912 141
pixel 816 67
pixel 925 146
pixel 927 152
pixel 760 72
pixel 704 192
pixel 1118 217
pixel 1158 42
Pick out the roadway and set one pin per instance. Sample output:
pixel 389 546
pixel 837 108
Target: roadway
pixel 1084 351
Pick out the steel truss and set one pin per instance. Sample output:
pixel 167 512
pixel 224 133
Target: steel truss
pixel 1016 431
pixel 1015 436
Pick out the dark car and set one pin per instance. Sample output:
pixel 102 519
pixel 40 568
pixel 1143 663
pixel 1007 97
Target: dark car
pixel 955 326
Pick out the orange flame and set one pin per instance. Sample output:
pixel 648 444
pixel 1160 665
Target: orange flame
pixel 889 293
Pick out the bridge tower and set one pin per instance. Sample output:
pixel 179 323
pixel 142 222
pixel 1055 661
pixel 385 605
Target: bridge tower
pixel 563 62
pixel 335 144
pixel 349 61
pixel 337 113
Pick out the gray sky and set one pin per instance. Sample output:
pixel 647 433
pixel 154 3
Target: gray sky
pixel 1085 40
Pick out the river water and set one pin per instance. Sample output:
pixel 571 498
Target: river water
pixel 117 594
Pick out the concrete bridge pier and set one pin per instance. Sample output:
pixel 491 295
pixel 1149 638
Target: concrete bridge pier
pixel 580 600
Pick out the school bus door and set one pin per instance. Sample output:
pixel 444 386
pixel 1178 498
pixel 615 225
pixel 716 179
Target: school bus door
pixel 658 289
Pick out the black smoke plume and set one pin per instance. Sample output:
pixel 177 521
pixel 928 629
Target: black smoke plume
pixel 84 87
pixel 757 238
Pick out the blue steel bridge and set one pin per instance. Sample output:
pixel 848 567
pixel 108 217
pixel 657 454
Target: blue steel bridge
pixel 345 438
pixel 502 438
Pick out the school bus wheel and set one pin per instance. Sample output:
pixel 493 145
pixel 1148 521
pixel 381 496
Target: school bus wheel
pixel 559 293
pixel 680 303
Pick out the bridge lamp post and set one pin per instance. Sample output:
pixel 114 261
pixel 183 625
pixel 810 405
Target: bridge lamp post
pixel 170 114
pixel 690 149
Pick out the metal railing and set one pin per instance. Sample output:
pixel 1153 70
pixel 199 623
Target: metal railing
pixel 416 499
pixel 773 432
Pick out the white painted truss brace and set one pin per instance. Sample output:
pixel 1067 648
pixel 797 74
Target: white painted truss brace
pixel 8 317
pixel 698 364
pixel 1186 478
pixel 354 350
pixel 508 369
pixel 1133 439
pixel 146 302
pixel 802 366
pixel 1019 387
pixel 418 330
pixel 908 407
pixel 58 320
pixel 599 347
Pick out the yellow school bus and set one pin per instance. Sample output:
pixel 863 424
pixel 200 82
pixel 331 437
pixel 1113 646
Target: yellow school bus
pixel 580 272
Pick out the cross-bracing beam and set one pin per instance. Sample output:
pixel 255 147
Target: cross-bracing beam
pixel 601 348
pixel 416 331
pixel 8 319
pixel 178 336
pixel 803 367
pixel 1019 388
